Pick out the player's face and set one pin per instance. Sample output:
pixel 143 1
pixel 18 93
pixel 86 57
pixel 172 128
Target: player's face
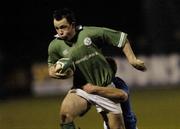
pixel 65 30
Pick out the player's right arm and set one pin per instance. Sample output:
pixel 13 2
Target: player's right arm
pixel 53 57
pixel 53 71
pixel 56 71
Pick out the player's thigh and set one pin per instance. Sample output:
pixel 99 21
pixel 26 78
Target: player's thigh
pixel 115 121
pixel 73 105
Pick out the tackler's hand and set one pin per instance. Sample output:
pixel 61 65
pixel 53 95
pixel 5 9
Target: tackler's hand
pixel 89 88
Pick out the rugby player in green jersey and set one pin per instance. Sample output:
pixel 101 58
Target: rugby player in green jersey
pixel 83 44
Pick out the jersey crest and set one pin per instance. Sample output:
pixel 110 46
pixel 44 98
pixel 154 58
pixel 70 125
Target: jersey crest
pixel 87 41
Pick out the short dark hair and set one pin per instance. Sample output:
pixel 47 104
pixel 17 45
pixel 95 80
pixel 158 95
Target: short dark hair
pixel 64 13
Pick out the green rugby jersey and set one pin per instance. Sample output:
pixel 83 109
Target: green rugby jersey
pixel 85 51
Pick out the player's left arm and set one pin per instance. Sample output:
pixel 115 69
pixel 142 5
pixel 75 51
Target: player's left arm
pixel 108 92
pixel 135 62
pixel 113 37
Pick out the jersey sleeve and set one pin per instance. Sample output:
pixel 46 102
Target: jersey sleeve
pixel 114 37
pixel 52 54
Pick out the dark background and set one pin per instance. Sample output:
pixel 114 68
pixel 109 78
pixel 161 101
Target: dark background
pixel 26 30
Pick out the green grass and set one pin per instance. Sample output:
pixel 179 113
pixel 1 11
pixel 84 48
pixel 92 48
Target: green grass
pixel 155 109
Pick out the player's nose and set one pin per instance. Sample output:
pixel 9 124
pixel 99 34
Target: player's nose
pixel 60 32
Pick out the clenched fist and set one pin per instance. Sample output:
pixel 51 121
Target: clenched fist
pixel 138 64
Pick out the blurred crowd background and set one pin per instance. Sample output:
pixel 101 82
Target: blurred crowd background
pixel 153 27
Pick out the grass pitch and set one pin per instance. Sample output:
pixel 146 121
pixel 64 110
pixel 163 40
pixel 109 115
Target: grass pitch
pixel 155 109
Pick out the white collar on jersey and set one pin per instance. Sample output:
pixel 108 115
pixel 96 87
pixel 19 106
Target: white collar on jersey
pixel 79 27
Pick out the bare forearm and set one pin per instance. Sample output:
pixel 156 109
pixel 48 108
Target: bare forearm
pixel 111 93
pixel 136 63
pixel 108 92
pixel 129 52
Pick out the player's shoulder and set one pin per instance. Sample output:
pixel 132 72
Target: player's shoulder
pixel 99 29
pixel 103 28
pixel 56 40
pixel 54 43
pixel 92 28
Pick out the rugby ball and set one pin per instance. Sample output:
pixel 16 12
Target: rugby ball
pixel 66 67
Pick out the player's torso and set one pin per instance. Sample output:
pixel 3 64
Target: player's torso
pixel 88 58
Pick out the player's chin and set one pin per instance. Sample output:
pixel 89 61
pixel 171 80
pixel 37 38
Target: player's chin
pixel 64 38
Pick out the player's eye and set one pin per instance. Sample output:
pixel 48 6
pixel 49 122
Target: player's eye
pixel 61 27
pixel 56 28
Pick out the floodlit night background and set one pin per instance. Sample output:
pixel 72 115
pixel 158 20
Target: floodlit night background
pixel 153 28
